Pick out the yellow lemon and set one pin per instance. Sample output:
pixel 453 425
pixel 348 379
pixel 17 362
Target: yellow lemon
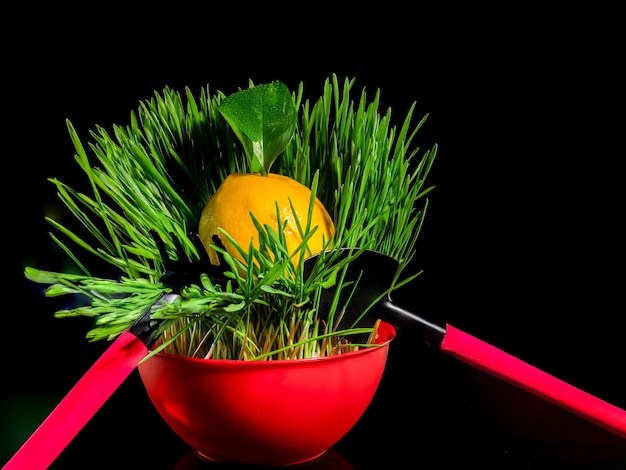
pixel 241 194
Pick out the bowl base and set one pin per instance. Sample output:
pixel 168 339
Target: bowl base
pixel 217 462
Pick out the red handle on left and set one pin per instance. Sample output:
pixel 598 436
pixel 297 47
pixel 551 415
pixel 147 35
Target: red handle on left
pixel 80 404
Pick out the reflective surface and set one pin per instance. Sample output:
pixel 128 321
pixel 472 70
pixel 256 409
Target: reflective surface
pixel 430 410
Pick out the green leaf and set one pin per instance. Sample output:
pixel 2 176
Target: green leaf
pixel 264 118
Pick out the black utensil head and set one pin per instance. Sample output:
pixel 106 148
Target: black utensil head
pixel 367 280
pixel 365 295
pixel 184 271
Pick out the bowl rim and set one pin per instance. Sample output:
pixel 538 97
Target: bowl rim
pixel 385 334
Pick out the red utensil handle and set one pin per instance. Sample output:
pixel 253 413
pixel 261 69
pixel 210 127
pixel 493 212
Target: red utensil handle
pixel 492 360
pixel 80 404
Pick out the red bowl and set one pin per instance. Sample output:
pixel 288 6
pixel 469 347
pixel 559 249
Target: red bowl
pixel 273 413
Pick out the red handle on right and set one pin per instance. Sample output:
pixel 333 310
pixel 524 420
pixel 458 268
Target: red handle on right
pixel 496 362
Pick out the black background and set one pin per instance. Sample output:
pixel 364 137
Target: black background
pixel 522 245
